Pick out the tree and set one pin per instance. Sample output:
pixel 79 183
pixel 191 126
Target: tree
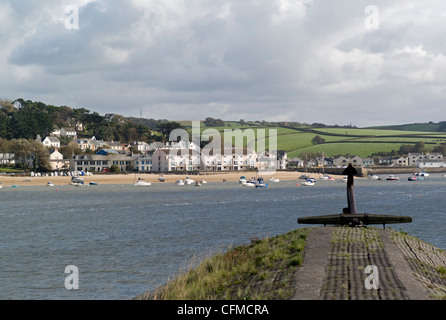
pixel 167 127
pixel 440 149
pixel 317 140
pixel 21 149
pixel 211 122
pixel 79 116
pixel 40 157
pixel 70 149
pixel 406 149
pixel 420 147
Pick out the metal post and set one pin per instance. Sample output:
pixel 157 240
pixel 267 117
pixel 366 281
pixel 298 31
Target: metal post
pixel 350 172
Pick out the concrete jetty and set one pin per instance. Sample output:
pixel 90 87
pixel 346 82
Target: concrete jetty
pixel 345 263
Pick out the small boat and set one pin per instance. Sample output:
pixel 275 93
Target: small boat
pixel 308 183
pixel 304 176
pixel 197 183
pixel 261 185
pixel 142 183
pixel 242 179
pixel 421 174
pixel 92 183
pixel 77 181
pixel 161 179
pixel 179 183
pixel 274 180
pixel 188 181
pixel 344 179
pixel 248 184
pixel 392 178
pixel 324 177
pixel 203 181
pixel 50 184
pixel 373 177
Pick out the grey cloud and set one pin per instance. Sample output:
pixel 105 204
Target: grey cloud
pixel 198 59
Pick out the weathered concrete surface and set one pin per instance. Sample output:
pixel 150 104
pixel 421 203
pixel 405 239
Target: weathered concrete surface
pixel 336 258
pixel 310 277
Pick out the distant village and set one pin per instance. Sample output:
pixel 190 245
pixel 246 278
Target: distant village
pixel 162 157
pixel 419 160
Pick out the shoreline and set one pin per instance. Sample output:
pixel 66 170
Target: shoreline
pixel 7 180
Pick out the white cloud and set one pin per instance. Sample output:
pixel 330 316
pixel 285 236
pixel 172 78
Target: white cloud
pixel 302 60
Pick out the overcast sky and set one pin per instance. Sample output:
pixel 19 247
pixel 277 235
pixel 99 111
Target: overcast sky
pixel 336 62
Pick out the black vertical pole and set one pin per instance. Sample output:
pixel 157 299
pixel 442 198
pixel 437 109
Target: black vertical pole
pixel 350 172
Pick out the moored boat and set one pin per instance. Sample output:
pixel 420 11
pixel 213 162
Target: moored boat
pixel 77 181
pixel 421 174
pixel 142 183
pixel 179 183
pixel 308 183
pixel 392 178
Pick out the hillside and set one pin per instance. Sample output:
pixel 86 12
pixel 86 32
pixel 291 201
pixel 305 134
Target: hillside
pixel 298 139
pixel 425 127
pixel 27 119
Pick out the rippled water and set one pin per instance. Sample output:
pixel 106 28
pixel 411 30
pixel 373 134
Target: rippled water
pixel 126 240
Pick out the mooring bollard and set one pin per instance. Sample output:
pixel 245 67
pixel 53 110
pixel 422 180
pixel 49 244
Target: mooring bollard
pixel 350 172
pixel 349 215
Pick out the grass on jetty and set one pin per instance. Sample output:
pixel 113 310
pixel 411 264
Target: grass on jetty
pixel 263 270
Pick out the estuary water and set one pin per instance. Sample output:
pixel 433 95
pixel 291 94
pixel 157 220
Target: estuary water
pixel 125 240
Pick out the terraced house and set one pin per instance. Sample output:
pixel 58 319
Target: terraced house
pixel 101 163
pixel 355 161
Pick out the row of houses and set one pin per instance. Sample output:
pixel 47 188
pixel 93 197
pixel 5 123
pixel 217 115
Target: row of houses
pixel 421 160
pixel 337 162
pixel 168 159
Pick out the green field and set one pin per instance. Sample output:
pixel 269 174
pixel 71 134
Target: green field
pixel 339 141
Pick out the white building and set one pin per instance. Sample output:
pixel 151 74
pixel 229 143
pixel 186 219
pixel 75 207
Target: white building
pixel 232 159
pixel 68 132
pixel 164 160
pixel 51 142
pixel 414 158
pixel 141 146
pixel 435 163
pixel 57 161
pixel 7 158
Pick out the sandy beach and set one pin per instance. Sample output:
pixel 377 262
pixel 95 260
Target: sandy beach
pixel 22 180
